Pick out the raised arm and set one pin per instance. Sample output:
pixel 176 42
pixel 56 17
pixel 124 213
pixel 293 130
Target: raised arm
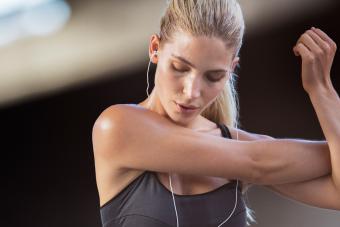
pixel 136 138
pixel 317 51
pixel 325 100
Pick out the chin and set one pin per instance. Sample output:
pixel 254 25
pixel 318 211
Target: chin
pixel 181 120
pixel 176 117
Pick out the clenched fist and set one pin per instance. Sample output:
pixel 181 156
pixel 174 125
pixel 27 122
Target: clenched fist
pixel 317 52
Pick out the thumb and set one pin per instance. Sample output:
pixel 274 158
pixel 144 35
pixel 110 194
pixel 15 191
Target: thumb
pixel 296 53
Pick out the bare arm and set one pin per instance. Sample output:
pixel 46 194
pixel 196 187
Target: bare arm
pixel 318 191
pixel 135 138
pixel 322 192
pixel 317 51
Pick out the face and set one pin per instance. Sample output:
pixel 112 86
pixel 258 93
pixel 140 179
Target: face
pixel 191 73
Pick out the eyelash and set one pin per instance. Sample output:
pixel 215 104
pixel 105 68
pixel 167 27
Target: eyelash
pixel 179 70
pixel 214 80
pixel 183 71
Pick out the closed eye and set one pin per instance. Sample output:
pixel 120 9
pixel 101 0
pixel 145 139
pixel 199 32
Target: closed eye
pixel 179 69
pixel 215 78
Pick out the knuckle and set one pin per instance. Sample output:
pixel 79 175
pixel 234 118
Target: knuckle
pixel 335 46
pixel 301 37
pixel 310 58
pixel 319 52
pixel 309 32
pixel 327 48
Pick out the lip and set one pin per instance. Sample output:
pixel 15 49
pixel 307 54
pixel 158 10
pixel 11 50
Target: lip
pixel 186 108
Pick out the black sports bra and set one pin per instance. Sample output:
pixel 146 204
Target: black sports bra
pixel 146 202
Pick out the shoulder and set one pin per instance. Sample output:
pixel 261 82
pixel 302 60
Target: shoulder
pixel 109 136
pixel 112 126
pixel 117 111
pixel 109 120
pixel 118 116
pixel 117 124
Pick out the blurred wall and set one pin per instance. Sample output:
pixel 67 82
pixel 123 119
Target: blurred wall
pixel 48 167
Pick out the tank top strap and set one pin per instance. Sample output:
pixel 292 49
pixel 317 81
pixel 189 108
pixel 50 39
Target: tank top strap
pixel 224 129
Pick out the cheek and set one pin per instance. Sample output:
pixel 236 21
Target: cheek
pixel 213 93
pixel 216 89
pixel 167 82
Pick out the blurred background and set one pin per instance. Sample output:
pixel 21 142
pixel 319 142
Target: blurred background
pixel 63 62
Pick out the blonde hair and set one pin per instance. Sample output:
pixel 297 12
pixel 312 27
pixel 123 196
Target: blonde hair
pixel 214 18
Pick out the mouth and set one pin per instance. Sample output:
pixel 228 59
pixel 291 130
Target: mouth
pixel 186 108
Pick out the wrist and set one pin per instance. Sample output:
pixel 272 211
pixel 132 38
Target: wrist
pixel 324 90
pixel 325 86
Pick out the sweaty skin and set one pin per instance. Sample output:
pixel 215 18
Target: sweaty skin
pixel 282 164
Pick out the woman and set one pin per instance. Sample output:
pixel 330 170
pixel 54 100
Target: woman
pixel 164 162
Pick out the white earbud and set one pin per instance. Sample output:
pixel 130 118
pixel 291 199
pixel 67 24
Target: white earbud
pixel 154 53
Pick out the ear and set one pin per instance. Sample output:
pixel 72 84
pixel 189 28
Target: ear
pixel 233 66
pixel 154 46
pixel 236 60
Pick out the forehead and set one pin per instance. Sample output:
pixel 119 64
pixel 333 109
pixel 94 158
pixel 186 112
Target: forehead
pixel 202 50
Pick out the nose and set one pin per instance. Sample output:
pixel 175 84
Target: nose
pixel 192 87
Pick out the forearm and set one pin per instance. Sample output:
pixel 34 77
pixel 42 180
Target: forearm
pixel 319 192
pixel 290 160
pixel 326 103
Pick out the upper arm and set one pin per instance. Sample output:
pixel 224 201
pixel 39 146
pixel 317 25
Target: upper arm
pixel 320 192
pixel 136 138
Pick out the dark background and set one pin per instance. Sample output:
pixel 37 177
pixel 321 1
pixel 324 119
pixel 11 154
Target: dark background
pixel 48 164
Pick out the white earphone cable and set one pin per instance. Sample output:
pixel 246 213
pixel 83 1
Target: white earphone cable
pixel 147 73
pixel 173 199
pixel 147 79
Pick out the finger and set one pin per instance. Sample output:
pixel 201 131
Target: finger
pixel 295 51
pixel 302 50
pixel 310 44
pixel 295 47
pixel 322 44
pixel 325 37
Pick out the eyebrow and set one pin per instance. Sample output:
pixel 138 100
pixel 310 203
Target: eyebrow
pixel 192 65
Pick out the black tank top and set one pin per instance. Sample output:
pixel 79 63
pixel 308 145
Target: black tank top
pixel 146 202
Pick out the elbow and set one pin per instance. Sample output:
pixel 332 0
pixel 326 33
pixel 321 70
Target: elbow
pixel 338 205
pixel 337 195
